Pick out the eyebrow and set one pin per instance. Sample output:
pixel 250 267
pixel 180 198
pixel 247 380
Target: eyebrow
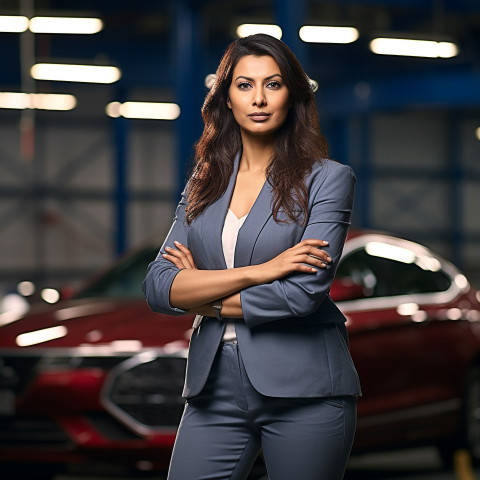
pixel 266 78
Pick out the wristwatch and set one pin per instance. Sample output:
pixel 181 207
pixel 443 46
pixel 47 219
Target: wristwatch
pixel 217 306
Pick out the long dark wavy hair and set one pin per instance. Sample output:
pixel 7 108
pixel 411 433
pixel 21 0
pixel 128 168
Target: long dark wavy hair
pixel 298 142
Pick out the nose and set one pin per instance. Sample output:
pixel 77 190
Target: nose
pixel 259 98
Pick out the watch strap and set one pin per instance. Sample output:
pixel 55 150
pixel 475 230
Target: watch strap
pixel 217 307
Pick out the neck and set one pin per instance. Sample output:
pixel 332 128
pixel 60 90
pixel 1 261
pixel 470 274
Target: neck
pixel 257 153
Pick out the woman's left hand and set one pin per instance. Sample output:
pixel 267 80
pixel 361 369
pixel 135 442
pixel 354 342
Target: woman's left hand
pixel 181 257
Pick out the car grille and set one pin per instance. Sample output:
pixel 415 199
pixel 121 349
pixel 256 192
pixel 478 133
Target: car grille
pixel 31 430
pixel 146 393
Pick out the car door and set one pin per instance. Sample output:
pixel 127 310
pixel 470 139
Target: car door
pixel 402 353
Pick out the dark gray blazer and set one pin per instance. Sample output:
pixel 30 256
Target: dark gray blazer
pixel 292 338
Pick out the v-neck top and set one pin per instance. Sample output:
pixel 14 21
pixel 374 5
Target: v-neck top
pixel 229 236
pixel 229 241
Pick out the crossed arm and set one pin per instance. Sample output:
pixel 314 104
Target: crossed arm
pixel 293 284
pixel 306 256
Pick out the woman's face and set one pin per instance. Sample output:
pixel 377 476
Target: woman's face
pixel 258 97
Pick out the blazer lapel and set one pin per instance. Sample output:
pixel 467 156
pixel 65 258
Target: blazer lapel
pixel 213 221
pixel 258 216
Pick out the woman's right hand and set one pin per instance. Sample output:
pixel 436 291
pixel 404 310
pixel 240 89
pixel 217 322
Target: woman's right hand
pixel 181 257
pixel 302 257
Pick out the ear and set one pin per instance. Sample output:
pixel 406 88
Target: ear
pixel 229 105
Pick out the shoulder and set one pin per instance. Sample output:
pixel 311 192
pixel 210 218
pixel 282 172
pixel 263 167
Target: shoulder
pixel 330 169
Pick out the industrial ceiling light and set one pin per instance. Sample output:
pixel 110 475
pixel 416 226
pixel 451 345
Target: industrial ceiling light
pixel 252 28
pixel 40 101
pixel 70 25
pixel 412 47
pixel 13 23
pixel 75 73
pixel 477 133
pixel 143 110
pixel 327 34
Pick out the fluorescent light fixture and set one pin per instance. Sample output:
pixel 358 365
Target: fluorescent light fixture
pixel 313 34
pixel 65 25
pixel 41 101
pixel 75 73
pixel 413 48
pixel 477 133
pixel 144 110
pixel 247 29
pixel 13 23
pixel 40 336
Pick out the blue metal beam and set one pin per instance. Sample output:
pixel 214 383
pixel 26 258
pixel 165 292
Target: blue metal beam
pixel 189 83
pixel 290 16
pixel 438 90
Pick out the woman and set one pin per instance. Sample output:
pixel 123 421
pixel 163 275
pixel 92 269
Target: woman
pixel 252 251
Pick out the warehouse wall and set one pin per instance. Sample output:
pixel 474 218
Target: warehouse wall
pixel 57 214
pixel 418 176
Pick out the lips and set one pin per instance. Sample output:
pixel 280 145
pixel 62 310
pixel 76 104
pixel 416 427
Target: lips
pixel 259 116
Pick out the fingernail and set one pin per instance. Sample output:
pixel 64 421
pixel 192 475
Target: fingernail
pixel 164 255
pixel 324 265
pixel 168 248
pixel 329 259
pixel 176 242
pixel 325 242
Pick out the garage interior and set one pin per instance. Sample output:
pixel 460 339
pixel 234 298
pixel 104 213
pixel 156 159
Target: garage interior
pixel 81 186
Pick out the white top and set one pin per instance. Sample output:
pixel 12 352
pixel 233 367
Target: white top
pixel 229 241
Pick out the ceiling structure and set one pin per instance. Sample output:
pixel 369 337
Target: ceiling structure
pixel 151 41
pixel 165 48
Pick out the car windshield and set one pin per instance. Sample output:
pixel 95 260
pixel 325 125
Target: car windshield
pixel 124 279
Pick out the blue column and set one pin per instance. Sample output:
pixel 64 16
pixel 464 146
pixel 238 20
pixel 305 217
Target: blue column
pixel 189 84
pixel 290 16
pixel 339 139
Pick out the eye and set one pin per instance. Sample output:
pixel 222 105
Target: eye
pixel 274 85
pixel 243 85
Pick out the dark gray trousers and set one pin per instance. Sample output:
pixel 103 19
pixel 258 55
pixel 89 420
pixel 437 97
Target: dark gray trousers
pixel 223 429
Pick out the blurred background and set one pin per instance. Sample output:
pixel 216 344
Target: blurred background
pixel 100 108
pixel 80 182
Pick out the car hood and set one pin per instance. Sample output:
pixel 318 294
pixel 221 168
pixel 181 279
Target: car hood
pixel 119 324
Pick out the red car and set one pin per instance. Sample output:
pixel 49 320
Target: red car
pixel 99 377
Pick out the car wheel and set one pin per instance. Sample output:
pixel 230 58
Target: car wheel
pixel 471 414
